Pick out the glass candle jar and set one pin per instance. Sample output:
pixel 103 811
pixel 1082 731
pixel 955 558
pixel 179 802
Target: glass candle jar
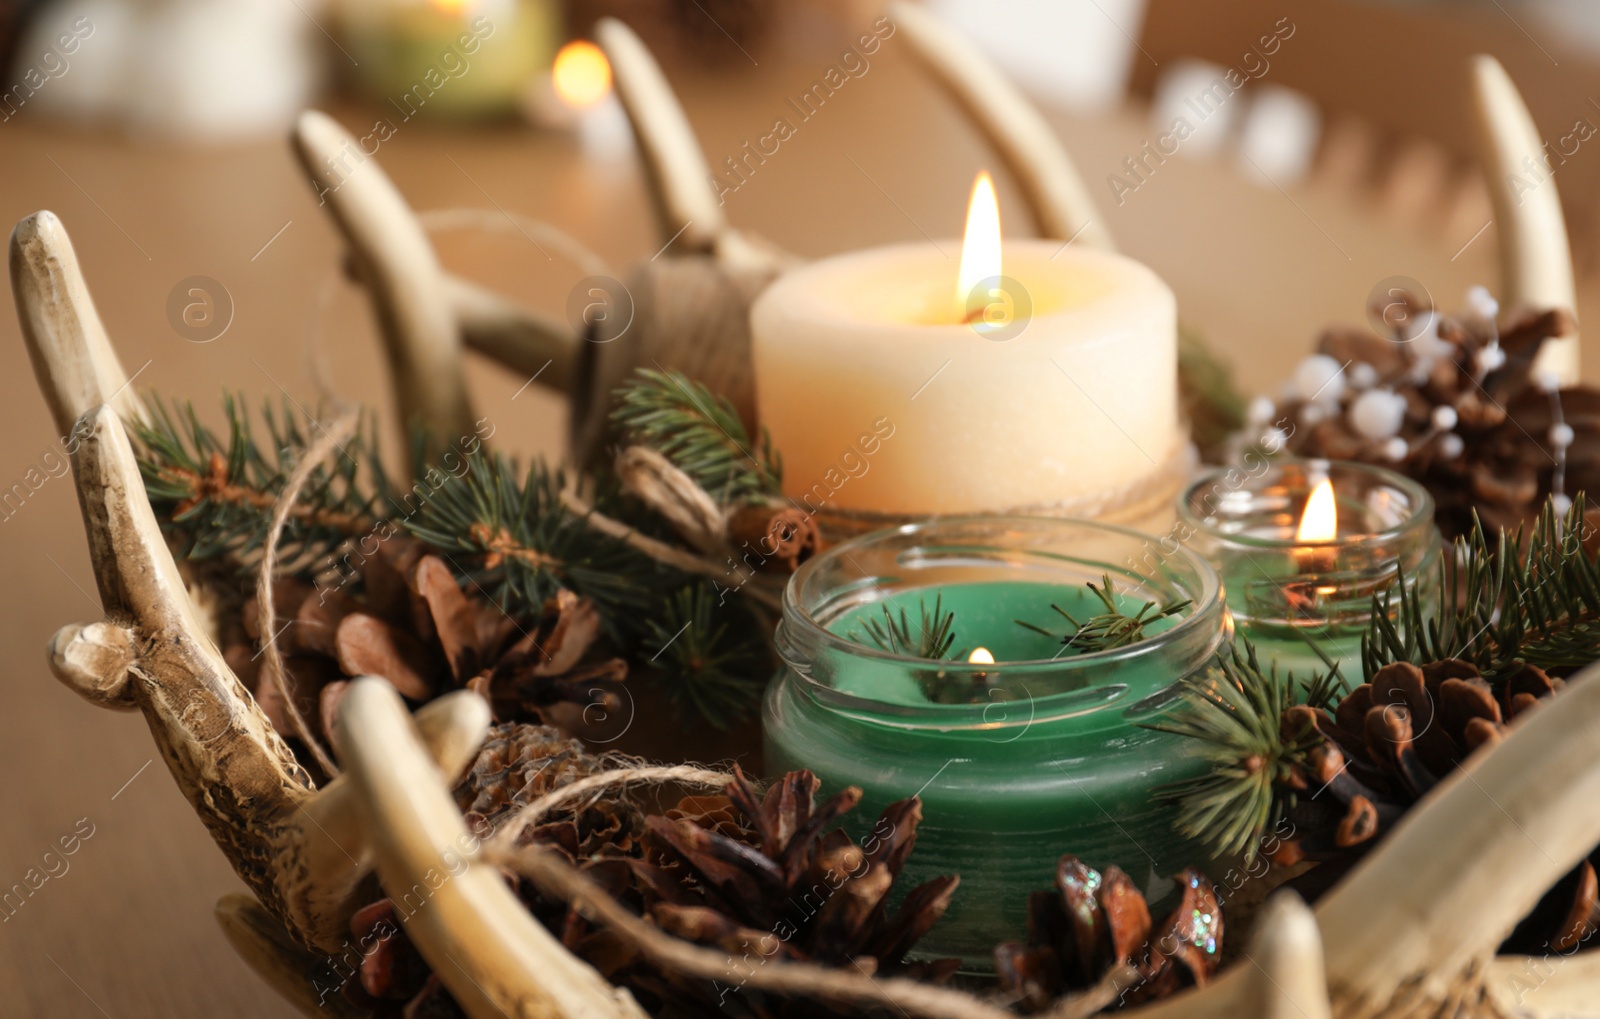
pixel 1017 762
pixel 446 58
pixel 1287 593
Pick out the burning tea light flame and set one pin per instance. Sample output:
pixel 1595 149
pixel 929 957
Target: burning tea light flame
pixel 980 245
pixel 981 656
pixel 581 74
pixel 1320 521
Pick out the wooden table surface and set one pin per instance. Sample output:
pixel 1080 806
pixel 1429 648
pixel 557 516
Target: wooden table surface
pixel 124 928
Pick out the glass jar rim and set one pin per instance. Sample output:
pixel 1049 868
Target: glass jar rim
pixel 1206 612
pixel 1420 501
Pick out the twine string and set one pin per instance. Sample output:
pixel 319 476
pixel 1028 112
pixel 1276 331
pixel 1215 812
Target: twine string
pixel 555 877
pixel 332 435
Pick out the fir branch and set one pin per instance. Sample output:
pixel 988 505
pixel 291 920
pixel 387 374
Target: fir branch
pixel 511 536
pixel 1234 712
pixel 214 496
pixel 1112 628
pixel 1506 602
pixel 933 637
pixel 715 664
pixel 700 433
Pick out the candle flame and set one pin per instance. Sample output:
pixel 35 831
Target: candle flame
pixel 981 656
pixel 980 246
pixel 581 74
pixel 1320 521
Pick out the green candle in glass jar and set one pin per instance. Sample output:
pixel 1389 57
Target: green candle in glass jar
pixel 1042 752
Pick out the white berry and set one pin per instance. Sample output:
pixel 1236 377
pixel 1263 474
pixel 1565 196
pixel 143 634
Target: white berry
pixel 1362 375
pixel 1491 359
pixel 1561 435
pixel 1481 301
pixel 1426 344
pixel 1321 378
pixel 1313 414
pixel 1378 413
pixel 1561 502
pixel 1261 410
pixel 1396 449
pixel 1445 417
pixel 1547 381
pixel 1450 445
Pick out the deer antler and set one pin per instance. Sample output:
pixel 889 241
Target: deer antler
pixel 1535 259
pixel 298 849
pixel 680 190
pixel 1024 141
pixel 481 941
pixel 423 311
pixel 1455 876
pixel 71 354
pixel 393 258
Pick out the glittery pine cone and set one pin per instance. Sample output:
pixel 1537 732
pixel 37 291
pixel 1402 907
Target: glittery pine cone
pixel 1093 922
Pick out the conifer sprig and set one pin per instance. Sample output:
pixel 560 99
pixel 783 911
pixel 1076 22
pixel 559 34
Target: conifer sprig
pixel 1112 628
pixel 1506 601
pixel 1234 712
pixel 510 534
pixel 700 433
pixel 930 636
pixel 215 495
pixel 712 655
pixel 1516 599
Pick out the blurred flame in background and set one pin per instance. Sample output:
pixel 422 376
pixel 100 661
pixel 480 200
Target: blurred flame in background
pixel 581 75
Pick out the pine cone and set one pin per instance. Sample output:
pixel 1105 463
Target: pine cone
pixel 413 625
pixel 1387 744
pixel 519 764
pixel 516 765
pixel 757 878
pixel 1471 423
pixel 1093 922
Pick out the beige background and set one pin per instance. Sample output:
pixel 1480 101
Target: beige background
pixel 127 932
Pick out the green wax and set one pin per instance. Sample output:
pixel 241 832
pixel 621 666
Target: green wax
pixel 985 616
pixel 1290 650
pixel 1047 758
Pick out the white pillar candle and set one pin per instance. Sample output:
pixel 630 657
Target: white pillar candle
pixel 880 399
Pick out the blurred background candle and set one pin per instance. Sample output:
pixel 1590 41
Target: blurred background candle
pixel 1302 548
pixel 577 97
pixel 449 57
pixel 1039 377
